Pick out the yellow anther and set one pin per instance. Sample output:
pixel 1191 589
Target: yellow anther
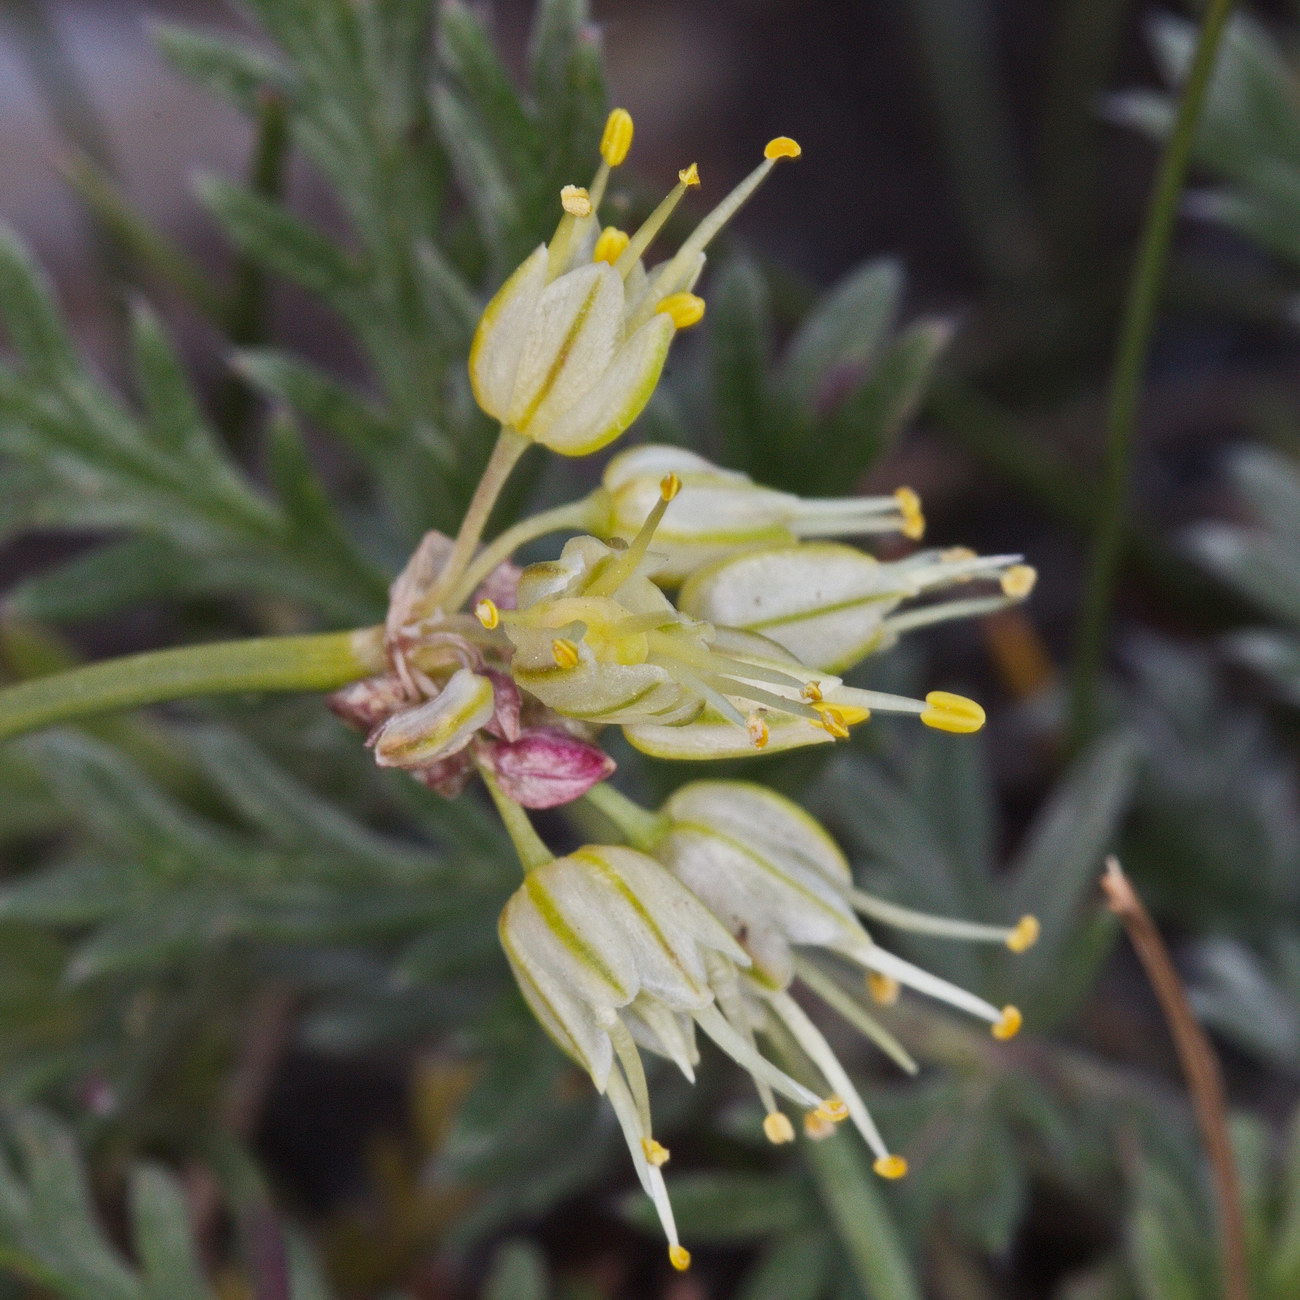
pixel 777 1128
pixel 758 730
pixel 782 147
pixel 890 1167
pixel 616 139
pixel 1025 934
pixel 680 1258
pixel 1008 1025
pixel 689 176
pixel 1018 581
pixel 669 486
pixel 833 721
pixel 487 613
pixel 565 652
pixel 610 244
pixel 833 1109
pixel 882 988
pixel 575 201
pixel 683 309
pixel 909 505
pixel 817 1126
pixel 811 693
pixel 655 1152
pixel 947 712
pixel 957 554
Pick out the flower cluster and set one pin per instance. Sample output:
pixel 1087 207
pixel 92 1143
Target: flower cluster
pixel 707 617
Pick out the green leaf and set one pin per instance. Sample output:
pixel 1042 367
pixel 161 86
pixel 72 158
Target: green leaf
pixel 29 314
pixel 269 232
pixel 227 69
pixel 518 1272
pixel 164 1242
pixel 856 1207
pixel 796 1266
pixel 728 1208
pixel 739 336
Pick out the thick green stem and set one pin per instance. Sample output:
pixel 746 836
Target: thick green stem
pixel 285 663
pixel 505 456
pixel 576 514
pixel 530 847
pixel 1126 380
pixel 640 827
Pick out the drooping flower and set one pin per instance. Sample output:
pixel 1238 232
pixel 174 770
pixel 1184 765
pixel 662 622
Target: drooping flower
pixel 614 955
pixel 831 605
pixel 720 512
pixel 595 638
pixel 571 347
pixel 781 886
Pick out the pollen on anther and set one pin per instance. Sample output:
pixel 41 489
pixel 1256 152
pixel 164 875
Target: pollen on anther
pixel 758 730
pixel 565 653
pixel 833 1109
pixel 1018 581
pixel 616 139
pixel 833 721
pixel 909 506
pixel 689 176
pixel 655 1152
pixel 679 1257
pixel 945 711
pixel 487 613
pixel 777 1128
pixel 811 693
pixel 1025 934
pixel 683 309
pixel 1008 1024
pixel 782 147
pixel 575 201
pixel 816 1126
pixel 891 1166
pixel 610 245
pixel 669 486
pixel 883 989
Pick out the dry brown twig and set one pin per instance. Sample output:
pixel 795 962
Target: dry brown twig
pixel 1200 1068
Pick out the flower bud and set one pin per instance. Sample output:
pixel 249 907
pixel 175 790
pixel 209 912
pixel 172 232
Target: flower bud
pixel 546 767
pixel 439 728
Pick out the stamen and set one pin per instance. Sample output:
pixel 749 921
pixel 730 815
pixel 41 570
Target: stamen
pixel 565 653
pixel 679 1257
pixel 882 989
pixel 816 1127
pixel 654 223
pixel 890 1166
pixel 955 713
pixel 811 693
pixel 576 201
pixel 487 613
pixel 712 1021
pixel 958 555
pixel 1018 581
pixel 909 505
pixel 1008 1023
pixel 834 1110
pixel 655 1152
pixel 838 999
pixel 832 721
pixel 669 486
pixel 777 1128
pixel 614 574
pixel 1025 935
pixel 610 244
pixel 759 733
pixel 877 959
pixel 782 147
pixel 616 139
pixel 683 309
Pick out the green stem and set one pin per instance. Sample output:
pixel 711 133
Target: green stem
pixel 1126 380
pixel 576 514
pixel 641 828
pixel 532 851
pixel 505 456
pixel 285 663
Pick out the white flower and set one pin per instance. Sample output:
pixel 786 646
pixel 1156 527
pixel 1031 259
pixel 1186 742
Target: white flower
pixel 831 605
pixel 595 638
pixel 780 884
pixel 719 512
pixel 571 347
pixel 438 728
pixel 613 954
